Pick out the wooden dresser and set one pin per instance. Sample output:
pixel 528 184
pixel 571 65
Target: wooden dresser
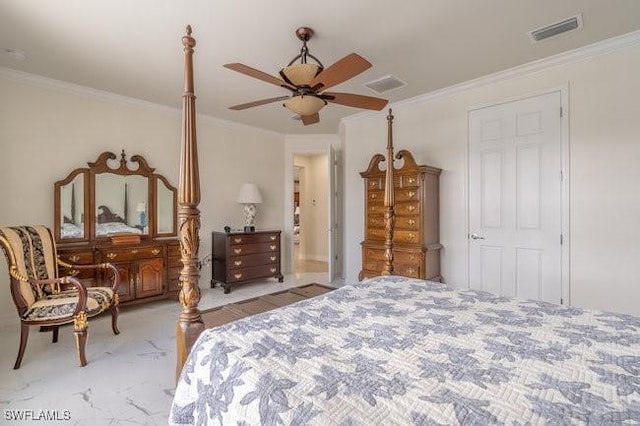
pixel 122 215
pixel 243 256
pixel 148 270
pixel 416 246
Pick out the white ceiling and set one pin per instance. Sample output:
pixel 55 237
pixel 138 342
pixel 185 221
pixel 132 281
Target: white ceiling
pixel 133 47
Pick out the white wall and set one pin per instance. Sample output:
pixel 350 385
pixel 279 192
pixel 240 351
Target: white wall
pixel 48 129
pixel 604 170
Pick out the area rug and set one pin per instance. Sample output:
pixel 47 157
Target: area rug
pixel 233 311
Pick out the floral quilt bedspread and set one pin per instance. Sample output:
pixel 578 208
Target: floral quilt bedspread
pixel 399 351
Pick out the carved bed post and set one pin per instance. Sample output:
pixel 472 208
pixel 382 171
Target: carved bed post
pixel 388 201
pixel 190 324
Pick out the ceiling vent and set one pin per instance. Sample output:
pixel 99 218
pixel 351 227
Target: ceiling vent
pixel 385 84
pixel 569 24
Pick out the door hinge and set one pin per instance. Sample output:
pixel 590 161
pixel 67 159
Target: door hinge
pixel 561 239
pixel 561 175
pixel 561 301
pixel 561 112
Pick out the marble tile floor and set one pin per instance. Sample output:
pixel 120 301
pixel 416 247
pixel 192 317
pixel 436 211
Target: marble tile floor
pixel 129 378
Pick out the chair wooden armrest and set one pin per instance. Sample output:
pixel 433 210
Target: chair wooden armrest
pixel 82 290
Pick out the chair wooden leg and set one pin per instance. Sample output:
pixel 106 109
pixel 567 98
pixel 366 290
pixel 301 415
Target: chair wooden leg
pixel 80 326
pixel 55 333
pixel 81 340
pixel 114 319
pixel 24 335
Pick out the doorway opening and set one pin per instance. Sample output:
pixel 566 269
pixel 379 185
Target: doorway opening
pixel 310 222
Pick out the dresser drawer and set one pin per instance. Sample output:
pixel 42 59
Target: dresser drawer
pixel 173 250
pixel 244 249
pixel 409 223
pixel 412 271
pixel 409 180
pixel 80 274
pixel 406 194
pixel 239 262
pixel 131 253
pixel 77 257
pixel 253 272
pixel 407 208
pixel 399 235
pixel 253 238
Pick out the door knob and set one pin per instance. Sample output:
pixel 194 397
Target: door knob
pixel 476 237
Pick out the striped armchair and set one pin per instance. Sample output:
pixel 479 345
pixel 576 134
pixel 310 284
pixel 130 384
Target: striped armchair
pixel 44 299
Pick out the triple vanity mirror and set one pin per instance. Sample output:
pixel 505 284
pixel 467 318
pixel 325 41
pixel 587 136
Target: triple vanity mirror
pixel 109 198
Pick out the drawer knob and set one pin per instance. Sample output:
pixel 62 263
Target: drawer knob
pixel 273 247
pixel 134 251
pixel 412 257
pixel 273 270
pixel 237 262
pixel 411 180
pixel 74 272
pixel 237 250
pixel 373 196
pixel 411 194
pixel 74 258
pixel 411 271
pixel 237 240
pixel 272 237
pixel 155 251
pixel 112 255
pixel 411 236
pixel 373 184
pixel 273 258
pixel 237 276
pixel 411 222
pixel 411 208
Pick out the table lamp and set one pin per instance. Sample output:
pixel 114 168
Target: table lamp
pixel 142 210
pixel 249 196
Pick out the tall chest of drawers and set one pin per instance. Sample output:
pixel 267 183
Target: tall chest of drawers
pixel 416 246
pixel 244 256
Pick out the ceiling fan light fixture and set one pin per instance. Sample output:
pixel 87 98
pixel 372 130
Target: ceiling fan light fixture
pixel 301 74
pixel 305 105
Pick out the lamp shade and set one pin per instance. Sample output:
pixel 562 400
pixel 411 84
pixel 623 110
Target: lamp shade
pixel 249 194
pixel 301 74
pixel 305 105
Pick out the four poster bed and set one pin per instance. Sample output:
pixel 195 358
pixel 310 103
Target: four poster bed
pixel 396 350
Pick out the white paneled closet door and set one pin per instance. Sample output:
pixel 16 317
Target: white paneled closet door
pixel 515 198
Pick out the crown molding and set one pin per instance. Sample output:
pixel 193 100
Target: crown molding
pixel 580 54
pixel 102 95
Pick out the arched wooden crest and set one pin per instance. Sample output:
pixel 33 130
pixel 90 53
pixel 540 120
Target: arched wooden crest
pixel 101 165
pixel 190 323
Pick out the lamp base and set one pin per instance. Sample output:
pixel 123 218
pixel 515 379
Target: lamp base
pixel 249 228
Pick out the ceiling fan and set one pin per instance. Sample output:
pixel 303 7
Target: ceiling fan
pixel 308 82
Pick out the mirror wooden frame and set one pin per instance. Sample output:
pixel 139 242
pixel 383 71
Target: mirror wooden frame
pixel 88 212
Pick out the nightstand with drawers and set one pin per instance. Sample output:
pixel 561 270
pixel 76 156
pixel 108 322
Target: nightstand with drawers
pixel 239 257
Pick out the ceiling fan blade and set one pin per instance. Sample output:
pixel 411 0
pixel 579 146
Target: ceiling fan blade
pixel 257 103
pixel 310 119
pixel 252 72
pixel 346 68
pixel 353 100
